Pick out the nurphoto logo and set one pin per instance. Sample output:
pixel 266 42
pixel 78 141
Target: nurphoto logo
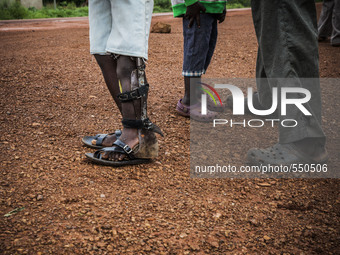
pixel 239 105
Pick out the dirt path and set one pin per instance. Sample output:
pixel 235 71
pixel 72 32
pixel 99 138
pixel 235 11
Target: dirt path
pixel 52 93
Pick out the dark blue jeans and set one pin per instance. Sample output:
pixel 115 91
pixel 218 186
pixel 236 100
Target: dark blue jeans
pixel 199 45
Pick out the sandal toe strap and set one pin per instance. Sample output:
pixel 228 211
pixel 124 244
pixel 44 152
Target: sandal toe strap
pixel 124 147
pixel 99 139
pixel 119 147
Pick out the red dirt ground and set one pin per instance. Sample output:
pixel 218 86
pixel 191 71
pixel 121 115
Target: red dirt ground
pixel 52 93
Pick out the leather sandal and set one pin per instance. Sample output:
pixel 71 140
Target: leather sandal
pixel 146 149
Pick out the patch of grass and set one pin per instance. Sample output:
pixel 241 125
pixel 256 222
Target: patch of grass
pixel 17 11
pixel 162 6
pixel 232 4
pixel 235 6
pixel 56 13
pixel 12 11
pixel 158 9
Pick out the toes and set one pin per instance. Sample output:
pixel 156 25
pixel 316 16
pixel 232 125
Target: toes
pixel 121 157
pixel 113 156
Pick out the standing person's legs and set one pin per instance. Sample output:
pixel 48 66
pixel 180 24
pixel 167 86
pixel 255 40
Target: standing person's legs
pixel 288 52
pixel 128 42
pixel 199 46
pixel 100 30
pixel 335 39
pixel 325 21
pixel 196 52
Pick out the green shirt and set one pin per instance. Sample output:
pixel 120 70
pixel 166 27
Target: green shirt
pixel 179 7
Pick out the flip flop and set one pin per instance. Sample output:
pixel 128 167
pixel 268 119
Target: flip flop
pixel 182 109
pixel 194 112
pixel 87 140
pixel 119 147
pixel 283 154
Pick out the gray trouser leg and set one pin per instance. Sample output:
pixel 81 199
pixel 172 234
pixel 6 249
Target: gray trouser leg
pixel 335 39
pixel 288 49
pixel 325 21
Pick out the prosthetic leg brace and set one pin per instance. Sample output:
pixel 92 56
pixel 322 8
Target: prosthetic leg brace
pixel 148 145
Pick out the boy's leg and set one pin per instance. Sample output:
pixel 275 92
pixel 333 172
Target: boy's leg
pixel 130 110
pixel 187 90
pixel 108 66
pixel 212 42
pixel 108 33
pixel 138 129
pixel 100 30
pixel 196 49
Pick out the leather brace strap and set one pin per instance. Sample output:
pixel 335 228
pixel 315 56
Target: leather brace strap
pixel 145 124
pixel 134 94
pixel 132 123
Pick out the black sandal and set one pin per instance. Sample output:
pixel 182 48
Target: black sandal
pixel 142 153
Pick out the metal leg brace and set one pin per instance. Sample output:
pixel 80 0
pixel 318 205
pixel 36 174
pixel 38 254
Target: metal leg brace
pixel 139 91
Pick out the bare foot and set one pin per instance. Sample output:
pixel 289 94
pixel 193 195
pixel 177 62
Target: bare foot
pixel 130 137
pixel 107 142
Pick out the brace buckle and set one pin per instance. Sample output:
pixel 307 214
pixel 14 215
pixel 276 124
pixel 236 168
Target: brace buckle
pixel 123 96
pixel 135 94
pixel 127 149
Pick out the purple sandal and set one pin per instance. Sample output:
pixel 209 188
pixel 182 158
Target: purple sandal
pixel 194 112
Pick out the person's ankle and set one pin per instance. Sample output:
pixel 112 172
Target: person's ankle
pixel 130 132
pixel 186 101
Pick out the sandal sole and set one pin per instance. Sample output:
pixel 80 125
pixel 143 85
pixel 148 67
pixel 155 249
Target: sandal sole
pixel 182 113
pixel 136 161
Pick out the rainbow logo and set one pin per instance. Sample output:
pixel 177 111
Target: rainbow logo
pixel 210 94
